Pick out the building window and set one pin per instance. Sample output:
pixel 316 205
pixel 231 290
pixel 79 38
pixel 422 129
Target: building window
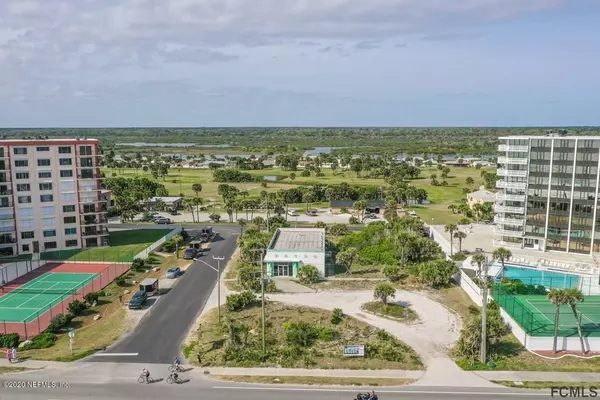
pixel 25 212
pixel 49 245
pixel 71 243
pixel 20 150
pixel 64 150
pixel 48 210
pixel 67 185
pixel 87 174
pixel 45 175
pixel 70 208
pixel 24 199
pixel 25 247
pixel 68 196
pixel 27 235
pixel 23 187
pixel 21 163
pixel 86 162
pixel 42 148
pixel 85 150
pixel 26 224
pixel 70 231
pixel 48 221
pixel 50 233
pixel 65 161
pixel 46 198
pixel 66 173
pixel 45 186
pixel 70 220
pixel 22 175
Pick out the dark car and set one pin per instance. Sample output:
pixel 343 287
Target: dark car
pixel 190 254
pixel 138 300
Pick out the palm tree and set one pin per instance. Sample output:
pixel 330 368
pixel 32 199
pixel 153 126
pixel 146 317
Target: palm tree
pixel 403 239
pixel 452 207
pixel 501 254
pixel 242 223
pixel 451 228
pixel 480 259
pixel 574 296
pixel 361 206
pixel 188 204
pixel 558 297
pixel 197 202
pixel 159 205
pixel 460 235
pixel 177 239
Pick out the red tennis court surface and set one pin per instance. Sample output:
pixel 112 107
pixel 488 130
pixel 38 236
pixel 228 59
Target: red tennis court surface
pixel 107 273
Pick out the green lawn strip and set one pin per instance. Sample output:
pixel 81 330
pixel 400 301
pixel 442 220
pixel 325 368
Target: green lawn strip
pixel 548 385
pixel 392 311
pixel 10 370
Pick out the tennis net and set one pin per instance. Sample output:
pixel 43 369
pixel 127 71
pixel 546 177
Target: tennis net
pixel 66 292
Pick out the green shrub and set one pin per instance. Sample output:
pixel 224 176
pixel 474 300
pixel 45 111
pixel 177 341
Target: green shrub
pixel 41 341
pixel 300 334
pixel 76 307
pixel 138 264
pixel 240 301
pixel 328 334
pixel 120 281
pixel 392 272
pixel 337 316
pixel 270 287
pixel 320 224
pixel 338 229
pixel 9 340
pixel 101 293
pixel 153 259
pixel 91 297
pixel 215 217
pixel 58 321
pixel 308 274
pixel 249 277
pixel 169 246
pixel 353 220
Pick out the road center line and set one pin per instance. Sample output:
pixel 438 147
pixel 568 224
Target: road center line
pixel 116 354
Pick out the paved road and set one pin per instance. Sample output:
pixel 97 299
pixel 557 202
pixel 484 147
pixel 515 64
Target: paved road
pixel 225 229
pixel 224 391
pixel 159 335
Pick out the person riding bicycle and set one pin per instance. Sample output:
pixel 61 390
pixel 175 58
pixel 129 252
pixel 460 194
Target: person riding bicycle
pixel 176 362
pixel 175 376
pixel 146 374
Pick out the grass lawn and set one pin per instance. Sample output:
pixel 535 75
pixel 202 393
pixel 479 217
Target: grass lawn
pixel 10 370
pixel 92 336
pixel 392 311
pixel 314 380
pixel 180 181
pixel 548 385
pixel 324 352
pixel 124 245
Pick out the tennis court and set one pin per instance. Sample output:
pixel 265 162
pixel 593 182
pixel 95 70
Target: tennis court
pixel 27 302
pixel 535 314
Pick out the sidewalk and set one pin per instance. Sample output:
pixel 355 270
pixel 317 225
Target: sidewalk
pixel 349 373
pixel 33 364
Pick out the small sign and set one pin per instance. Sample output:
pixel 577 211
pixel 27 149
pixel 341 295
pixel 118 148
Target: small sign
pixel 354 351
pixel 71 334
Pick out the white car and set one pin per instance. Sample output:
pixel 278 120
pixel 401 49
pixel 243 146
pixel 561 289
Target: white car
pixel 292 213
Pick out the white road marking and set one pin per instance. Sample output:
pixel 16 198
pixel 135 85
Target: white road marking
pixel 116 354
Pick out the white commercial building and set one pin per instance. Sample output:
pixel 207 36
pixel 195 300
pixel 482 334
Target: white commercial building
pixel 291 248
pixel 50 195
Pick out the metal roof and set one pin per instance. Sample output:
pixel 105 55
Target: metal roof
pixel 298 239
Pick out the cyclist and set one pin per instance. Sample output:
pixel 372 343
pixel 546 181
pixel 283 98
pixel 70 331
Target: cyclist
pixel 175 377
pixel 146 374
pixel 177 363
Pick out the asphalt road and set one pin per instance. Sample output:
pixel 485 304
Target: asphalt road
pixel 216 391
pixel 159 335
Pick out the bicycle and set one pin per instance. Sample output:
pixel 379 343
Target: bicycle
pixel 143 379
pixel 175 368
pixel 172 379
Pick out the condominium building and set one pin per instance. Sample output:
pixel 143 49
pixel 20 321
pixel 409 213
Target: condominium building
pixel 548 196
pixel 50 195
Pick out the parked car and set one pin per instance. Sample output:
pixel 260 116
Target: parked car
pixel 138 300
pixel 190 253
pixel 173 272
pixel 312 213
pixel 163 221
pixel 412 214
pixel 371 216
pixel 293 213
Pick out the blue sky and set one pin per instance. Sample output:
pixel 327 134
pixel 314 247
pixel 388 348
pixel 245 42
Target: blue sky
pixel 299 63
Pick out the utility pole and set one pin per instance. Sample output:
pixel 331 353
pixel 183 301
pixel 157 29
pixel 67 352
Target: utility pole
pixel 218 271
pixel 262 289
pixel 268 230
pixel 484 301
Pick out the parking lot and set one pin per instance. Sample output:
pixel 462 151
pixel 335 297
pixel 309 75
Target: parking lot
pixel 166 318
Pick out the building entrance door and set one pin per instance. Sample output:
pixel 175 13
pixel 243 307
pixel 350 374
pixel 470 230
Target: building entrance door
pixel 36 246
pixel 283 270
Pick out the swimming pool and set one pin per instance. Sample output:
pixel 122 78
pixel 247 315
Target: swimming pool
pixel 531 276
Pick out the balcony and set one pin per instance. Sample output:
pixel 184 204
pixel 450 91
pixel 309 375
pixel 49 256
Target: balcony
pixel 86 176
pixel 511 197
pixel 508 233
pixel 7 217
pixel 97 232
pixel 507 147
pixel 89 189
pixel 509 221
pixel 498 208
pixel 515 161
pixel 90 221
pixel 6 204
pixel 511 172
pixel 6 229
pixel 511 185
pixel 7 241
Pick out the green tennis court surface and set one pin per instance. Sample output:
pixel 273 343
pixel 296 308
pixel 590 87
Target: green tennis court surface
pixel 25 303
pixel 535 314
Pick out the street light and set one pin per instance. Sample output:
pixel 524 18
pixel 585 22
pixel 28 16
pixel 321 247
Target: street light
pixel 218 271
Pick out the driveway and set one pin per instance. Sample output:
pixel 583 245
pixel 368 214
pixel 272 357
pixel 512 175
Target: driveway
pixel 160 333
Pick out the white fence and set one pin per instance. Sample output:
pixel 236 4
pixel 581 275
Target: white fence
pixel 146 252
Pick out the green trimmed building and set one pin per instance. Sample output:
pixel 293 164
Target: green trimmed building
pixel 291 248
